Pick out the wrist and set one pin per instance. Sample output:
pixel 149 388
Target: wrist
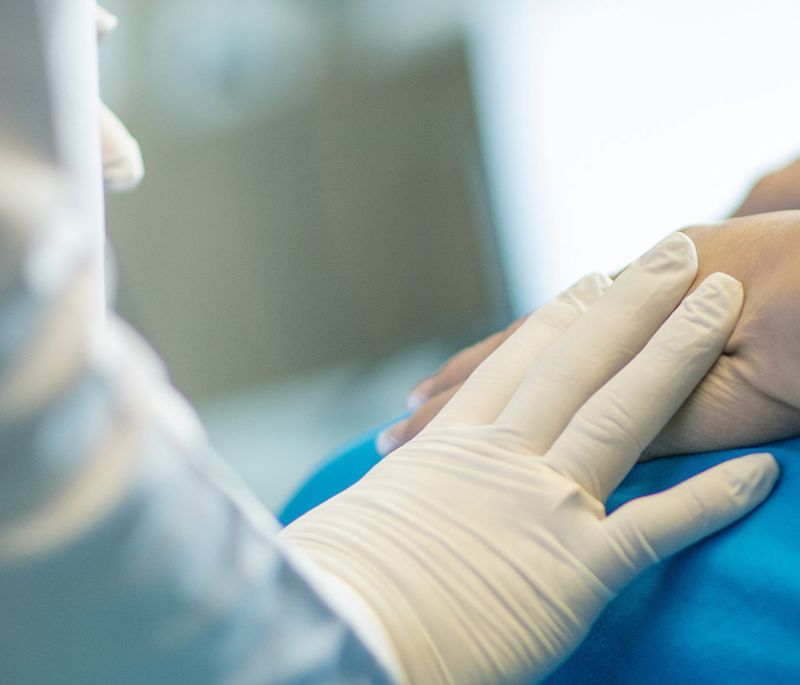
pixel 349 604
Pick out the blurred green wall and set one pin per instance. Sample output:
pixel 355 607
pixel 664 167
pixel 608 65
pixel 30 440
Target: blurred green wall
pixel 344 225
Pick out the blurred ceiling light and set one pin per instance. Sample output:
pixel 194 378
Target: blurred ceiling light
pixel 222 63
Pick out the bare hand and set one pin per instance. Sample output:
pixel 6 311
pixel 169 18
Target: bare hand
pixel 776 192
pixel 750 396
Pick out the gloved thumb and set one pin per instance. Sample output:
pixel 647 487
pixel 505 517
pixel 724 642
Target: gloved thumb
pixel 649 529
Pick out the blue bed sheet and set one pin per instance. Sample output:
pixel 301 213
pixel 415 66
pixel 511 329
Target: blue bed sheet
pixel 725 611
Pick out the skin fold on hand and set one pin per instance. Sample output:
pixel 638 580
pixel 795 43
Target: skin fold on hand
pixel 751 395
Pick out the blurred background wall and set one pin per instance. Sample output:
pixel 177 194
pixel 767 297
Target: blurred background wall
pixel 342 192
pixel 314 204
pixel 338 215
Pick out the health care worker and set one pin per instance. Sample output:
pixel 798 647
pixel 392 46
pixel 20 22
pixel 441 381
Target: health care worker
pixel 479 552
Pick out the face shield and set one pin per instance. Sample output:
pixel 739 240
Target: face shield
pixel 49 109
pixel 51 117
pixel 122 158
pixel 26 117
pixel 48 112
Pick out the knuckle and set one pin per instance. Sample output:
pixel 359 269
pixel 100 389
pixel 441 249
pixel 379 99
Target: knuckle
pixel 613 423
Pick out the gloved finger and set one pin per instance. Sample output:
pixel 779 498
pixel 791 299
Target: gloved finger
pixel 606 436
pixel 649 529
pixel 123 168
pixel 400 433
pixel 456 369
pixel 601 342
pixel 484 394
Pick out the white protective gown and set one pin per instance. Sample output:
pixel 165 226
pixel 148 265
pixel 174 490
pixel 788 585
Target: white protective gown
pixel 128 553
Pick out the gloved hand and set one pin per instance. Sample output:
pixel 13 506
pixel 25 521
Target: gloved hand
pixel 749 397
pixel 123 168
pixel 482 546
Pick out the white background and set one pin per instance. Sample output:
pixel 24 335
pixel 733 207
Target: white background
pixel 609 124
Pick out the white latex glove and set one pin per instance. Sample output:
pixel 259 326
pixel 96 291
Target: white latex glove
pixel 482 546
pixel 123 168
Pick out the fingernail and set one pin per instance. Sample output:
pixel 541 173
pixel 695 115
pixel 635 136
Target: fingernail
pixel 419 395
pixel 676 250
pixel 755 476
pixel 389 440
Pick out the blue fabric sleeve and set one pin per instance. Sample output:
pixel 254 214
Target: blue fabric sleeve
pixel 724 611
pixel 128 553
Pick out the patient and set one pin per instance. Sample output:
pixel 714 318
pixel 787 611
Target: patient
pixel 752 395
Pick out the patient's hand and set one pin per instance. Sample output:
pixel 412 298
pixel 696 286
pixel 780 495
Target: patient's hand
pixel 777 191
pixel 752 394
